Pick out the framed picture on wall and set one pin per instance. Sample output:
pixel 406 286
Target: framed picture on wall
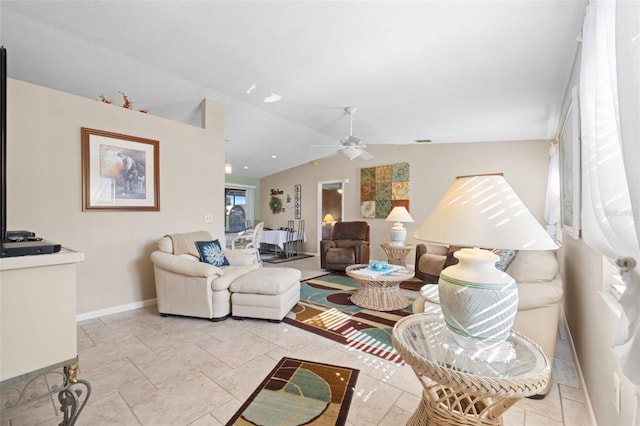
pixel 297 200
pixel 570 170
pixel 119 172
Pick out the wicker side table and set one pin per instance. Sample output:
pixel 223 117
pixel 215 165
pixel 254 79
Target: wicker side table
pixel 463 388
pixel 396 255
pixel 379 291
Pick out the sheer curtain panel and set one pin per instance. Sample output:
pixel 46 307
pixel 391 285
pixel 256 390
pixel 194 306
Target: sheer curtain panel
pixel 609 111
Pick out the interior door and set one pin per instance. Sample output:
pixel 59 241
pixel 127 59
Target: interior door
pixel 330 201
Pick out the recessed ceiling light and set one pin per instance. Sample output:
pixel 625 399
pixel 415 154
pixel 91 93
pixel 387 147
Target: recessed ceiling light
pixel 272 98
pixel 274 156
pixel 245 167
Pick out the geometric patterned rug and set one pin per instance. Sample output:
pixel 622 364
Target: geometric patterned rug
pixel 325 309
pixel 298 392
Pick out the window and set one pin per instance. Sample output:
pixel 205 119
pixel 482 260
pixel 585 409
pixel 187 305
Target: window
pixel 239 211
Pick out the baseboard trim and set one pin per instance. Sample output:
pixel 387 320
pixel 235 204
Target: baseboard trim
pixel 115 309
pixel 588 405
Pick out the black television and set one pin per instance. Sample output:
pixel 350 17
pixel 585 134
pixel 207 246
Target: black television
pixel 13 243
pixel 3 139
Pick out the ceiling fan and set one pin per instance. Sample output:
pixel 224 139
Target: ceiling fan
pixel 352 147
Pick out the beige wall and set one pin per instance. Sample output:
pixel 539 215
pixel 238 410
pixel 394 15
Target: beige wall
pixel 433 169
pixel 592 322
pixel 44 187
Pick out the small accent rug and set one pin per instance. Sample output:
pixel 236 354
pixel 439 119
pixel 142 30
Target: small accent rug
pixel 272 258
pixel 325 309
pixel 298 392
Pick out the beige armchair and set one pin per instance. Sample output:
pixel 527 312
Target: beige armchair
pixel 185 286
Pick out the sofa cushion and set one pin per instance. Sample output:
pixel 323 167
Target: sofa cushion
pixel 241 257
pixel 341 256
pixel 266 281
pixel 211 252
pixel 431 264
pixel 538 295
pixel 533 266
pixel 230 274
pixel 349 244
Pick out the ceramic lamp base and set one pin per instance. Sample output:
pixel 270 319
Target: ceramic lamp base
pixel 479 302
pixel 398 234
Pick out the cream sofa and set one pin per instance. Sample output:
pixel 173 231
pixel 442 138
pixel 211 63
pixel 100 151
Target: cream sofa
pixel 540 293
pixel 186 286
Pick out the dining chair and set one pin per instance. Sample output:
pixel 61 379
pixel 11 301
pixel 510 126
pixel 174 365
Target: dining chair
pixel 290 243
pixel 250 240
pixel 300 237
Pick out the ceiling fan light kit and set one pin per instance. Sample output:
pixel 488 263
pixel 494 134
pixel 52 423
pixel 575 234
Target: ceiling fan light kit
pixel 352 146
pixel 351 152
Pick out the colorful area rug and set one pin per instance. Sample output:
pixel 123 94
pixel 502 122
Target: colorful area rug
pixel 325 309
pixel 298 392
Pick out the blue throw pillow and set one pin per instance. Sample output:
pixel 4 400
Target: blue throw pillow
pixel 211 252
pixel 506 257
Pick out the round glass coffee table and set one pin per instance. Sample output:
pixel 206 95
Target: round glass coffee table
pixel 379 290
pixel 464 387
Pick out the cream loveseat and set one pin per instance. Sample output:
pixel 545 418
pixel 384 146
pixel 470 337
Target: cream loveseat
pixel 539 291
pixel 186 286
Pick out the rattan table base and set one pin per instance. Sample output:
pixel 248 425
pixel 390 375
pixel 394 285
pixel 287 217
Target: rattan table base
pixel 381 293
pixel 459 387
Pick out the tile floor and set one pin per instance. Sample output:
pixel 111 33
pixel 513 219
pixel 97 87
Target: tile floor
pixel 149 370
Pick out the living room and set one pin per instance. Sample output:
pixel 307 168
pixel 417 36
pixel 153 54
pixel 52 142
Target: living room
pixel 45 187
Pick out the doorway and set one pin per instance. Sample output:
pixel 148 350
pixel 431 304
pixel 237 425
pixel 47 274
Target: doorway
pixel 330 202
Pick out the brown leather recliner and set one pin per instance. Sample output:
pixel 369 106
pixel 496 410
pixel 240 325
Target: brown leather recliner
pixel 431 259
pixel 348 245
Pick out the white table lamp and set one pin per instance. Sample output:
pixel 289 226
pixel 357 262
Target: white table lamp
pixel 398 234
pixel 478 301
pixel 328 218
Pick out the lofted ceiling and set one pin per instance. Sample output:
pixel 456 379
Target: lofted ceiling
pixel 448 71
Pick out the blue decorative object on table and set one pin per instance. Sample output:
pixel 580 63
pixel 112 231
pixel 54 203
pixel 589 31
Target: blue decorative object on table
pixel 379 265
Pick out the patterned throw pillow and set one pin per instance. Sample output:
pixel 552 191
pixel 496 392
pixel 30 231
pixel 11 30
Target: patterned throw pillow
pixel 506 257
pixel 211 252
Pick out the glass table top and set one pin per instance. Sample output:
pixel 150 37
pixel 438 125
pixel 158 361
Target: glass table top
pixel 427 338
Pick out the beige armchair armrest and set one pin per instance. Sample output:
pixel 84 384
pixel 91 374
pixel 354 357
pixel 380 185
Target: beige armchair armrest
pixel 180 265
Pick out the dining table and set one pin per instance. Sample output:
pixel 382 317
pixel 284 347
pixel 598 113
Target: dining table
pixel 279 238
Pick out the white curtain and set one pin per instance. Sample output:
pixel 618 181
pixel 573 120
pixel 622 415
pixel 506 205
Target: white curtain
pixel 552 200
pixel 609 131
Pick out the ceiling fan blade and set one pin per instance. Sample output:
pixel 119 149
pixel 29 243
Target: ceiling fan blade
pixel 366 155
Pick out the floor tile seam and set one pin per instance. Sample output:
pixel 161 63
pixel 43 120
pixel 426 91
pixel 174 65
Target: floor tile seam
pixel 147 378
pixel 569 357
pixel 131 409
pixel 215 382
pixel 538 409
pixel 573 399
pixel 122 398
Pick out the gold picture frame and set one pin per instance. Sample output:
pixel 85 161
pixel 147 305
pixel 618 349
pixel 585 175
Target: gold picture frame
pixel 119 172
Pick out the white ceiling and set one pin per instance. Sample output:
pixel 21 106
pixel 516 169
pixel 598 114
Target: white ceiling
pixel 449 71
